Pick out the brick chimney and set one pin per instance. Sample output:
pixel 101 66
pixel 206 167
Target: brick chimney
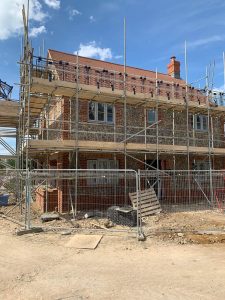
pixel 173 68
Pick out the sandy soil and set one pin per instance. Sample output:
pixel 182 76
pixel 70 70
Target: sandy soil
pixel 39 266
pixel 179 227
pixel 183 221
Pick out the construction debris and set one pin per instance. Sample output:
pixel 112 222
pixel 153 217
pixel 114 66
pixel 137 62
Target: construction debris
pixel 126 216
pixel 148 203
pixel 49 217
pixel 66 232
pixel 108 224
pixel 93 213
pixel 4 199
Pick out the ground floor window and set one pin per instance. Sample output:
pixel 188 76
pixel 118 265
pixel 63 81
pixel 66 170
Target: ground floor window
pixel 201 176
pixel 104 164
pixel 200 165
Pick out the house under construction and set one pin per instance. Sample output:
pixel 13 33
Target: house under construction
pixel 81 113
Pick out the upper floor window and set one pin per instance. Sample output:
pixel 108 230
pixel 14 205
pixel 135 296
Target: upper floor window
pixel 201 122
pixel 151 116
pixel 101 112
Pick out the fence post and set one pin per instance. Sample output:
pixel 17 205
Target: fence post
pixel 140 233
pixel 211 186
pixel 28 199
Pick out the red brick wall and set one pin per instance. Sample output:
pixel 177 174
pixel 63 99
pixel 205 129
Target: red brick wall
pixel 51 197
pixel 66 117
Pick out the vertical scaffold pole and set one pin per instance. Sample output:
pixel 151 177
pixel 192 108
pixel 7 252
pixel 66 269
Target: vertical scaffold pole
pixel 174 161
pixel 187 123
pixel 28 62
pixel 157 132
pixel 209 137
pixel 223 70
pixel 76 133
pixel 125 112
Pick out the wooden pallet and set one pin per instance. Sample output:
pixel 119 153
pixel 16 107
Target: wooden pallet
pixel 148 202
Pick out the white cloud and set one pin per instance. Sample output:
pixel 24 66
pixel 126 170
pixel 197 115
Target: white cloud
pixel 53 3
pixel 11 22
pixel 74 13
pixel 36 13
pixel 206 41
pixel 118 56
pixel 92 19
pixel 92 50
pixel 35 31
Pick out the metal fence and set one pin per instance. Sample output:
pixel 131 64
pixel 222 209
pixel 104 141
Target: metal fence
pixel 87 199
pixel 186 190
pixel 12 194
pixel 100 199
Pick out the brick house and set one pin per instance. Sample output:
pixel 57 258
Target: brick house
pixel 98 115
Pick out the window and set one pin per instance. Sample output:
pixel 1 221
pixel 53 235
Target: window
pixel 109 113
pixel 201 122
pixel 101 112
pixel 104 164
pixel 91 111
pixel 200 165
pixel 152 116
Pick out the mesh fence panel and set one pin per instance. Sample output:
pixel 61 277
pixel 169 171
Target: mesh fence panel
pixel 91 198
pixel 91 194
pixel 12 194
pixel 186 190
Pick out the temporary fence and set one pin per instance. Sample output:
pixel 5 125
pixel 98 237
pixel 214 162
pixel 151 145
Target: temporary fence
pixel 186 190
pixel 87 194
pixel 12 194
pixel 105 199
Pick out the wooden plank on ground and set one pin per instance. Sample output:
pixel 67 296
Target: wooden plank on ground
pixel 82 241
pixel 148 202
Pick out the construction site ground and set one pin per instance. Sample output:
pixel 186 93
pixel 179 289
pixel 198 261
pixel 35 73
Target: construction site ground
pixel 183 257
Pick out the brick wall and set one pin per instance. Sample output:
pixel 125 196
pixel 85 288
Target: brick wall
pixel 59 116
pixel 47 199
pixel 135 122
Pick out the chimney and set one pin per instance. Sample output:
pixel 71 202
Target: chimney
pixel 173 68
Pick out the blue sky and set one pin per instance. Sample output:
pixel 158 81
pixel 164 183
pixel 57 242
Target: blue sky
pixel 156 30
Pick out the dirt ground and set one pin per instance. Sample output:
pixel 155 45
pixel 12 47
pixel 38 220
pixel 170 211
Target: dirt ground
pixel 40 266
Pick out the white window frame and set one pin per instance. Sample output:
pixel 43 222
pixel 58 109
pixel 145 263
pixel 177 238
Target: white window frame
pixel 148 112
pixel 105 118
pixel 108 164
pixel 202 117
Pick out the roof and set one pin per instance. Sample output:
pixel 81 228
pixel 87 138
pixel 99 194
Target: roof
pixel 96 63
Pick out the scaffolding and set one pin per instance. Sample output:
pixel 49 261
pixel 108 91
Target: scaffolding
pixel 49 125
